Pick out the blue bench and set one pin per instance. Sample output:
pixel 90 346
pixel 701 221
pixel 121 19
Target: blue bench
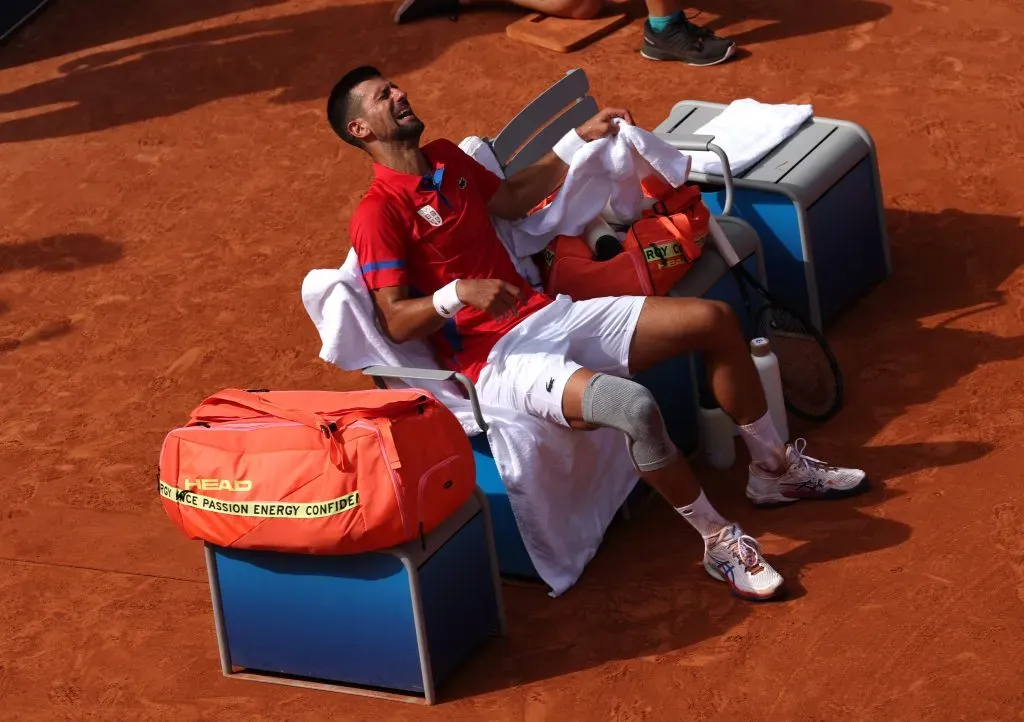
pixel 394 624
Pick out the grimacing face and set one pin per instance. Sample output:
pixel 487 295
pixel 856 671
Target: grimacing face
pixel 385 113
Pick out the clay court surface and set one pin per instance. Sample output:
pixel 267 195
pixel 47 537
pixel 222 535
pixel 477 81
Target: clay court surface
pixel 167 177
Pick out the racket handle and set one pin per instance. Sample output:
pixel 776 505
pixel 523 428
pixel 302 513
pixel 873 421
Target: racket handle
pixel 722 245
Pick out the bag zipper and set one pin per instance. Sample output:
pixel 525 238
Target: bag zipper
pixel 358 423
pixel 243 426
pixel 391 472
pixel 419 495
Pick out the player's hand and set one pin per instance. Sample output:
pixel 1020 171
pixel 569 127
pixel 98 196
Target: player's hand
pixel 603 124
pixel 497 298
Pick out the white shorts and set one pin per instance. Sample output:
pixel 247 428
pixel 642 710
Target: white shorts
pixel 529 367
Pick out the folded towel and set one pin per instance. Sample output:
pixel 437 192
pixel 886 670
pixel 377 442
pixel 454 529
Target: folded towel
pixel 564 486
pixel 747 131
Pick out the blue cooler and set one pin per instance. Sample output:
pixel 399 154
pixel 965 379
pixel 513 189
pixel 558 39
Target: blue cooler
pixel 393 624
pixel 816 203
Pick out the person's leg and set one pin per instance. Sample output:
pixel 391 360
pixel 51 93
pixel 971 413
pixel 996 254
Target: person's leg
pixel 405 11
pixel 591 399
pixel 596 391
pixel 567 364
pixel 668 327
pixel 668 35
pixel 661 13
pixel 779 474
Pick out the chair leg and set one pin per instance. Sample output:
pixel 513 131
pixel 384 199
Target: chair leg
pixel 218 612
pixel 492 553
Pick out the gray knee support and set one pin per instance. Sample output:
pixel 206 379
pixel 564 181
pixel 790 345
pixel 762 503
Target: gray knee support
pixel 629 407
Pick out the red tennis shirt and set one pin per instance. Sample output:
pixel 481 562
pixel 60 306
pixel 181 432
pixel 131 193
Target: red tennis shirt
pixel 423 232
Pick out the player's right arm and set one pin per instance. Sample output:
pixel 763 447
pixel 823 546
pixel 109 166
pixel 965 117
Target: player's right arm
pixel 381 244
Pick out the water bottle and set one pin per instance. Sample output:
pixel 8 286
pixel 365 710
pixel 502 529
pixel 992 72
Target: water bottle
pixel 602 240
pixel 767 364
pixel 716 434
pixel 612 218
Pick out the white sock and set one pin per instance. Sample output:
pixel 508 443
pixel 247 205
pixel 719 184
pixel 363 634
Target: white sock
pixel 703 517
pixel 766 448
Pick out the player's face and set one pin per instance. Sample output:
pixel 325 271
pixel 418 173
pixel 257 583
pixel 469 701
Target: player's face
pixel 387 112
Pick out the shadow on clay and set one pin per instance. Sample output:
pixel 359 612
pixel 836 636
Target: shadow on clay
pixel 296 58
pixel 59 253
pixel 65 27
pixel 916 335
pixel 791 18
pixel 646 593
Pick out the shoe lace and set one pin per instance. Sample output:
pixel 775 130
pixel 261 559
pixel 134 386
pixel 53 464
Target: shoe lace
pixel 745 548
pixel 805 463
pixel 683 35
pixel 696 30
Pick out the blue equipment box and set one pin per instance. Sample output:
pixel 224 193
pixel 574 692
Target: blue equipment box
pixel 392 624
pixel 816 203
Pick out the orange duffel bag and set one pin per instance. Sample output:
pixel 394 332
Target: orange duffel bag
pixel 659 249
pixel 315 472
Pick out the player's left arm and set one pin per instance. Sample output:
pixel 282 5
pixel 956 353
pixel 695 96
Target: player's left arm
pixel 516 196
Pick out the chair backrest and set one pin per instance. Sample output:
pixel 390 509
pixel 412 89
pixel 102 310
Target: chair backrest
pixel 538 126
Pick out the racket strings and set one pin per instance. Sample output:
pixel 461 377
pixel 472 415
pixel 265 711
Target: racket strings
pixel 808 377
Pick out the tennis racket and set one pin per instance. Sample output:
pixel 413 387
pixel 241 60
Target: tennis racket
pixel 812 383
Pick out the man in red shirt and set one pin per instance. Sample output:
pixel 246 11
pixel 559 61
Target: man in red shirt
pixel 436 269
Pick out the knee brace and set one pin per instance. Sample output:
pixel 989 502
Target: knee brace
pixel 629 407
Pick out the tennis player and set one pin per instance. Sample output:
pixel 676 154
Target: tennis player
pixel 436 270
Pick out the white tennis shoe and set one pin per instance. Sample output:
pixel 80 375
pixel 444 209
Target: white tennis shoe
pixel 804 478
pixel 735 558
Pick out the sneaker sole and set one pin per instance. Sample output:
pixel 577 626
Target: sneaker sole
pixel 770 501
pixel 748 596
pixel 659 57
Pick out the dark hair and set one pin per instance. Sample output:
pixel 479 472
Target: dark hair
pixel 341 105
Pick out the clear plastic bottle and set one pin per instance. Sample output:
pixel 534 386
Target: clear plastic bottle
pixel 716 435
pixel 767 364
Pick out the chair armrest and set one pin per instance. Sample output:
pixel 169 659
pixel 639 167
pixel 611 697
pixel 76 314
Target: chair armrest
pixel 408 373
pixel 688 142
pixel 697 143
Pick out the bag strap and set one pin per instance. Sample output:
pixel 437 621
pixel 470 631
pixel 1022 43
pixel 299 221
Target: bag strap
pixel 255 402
pixel 261 404
pixel 671 227
pixel 691 252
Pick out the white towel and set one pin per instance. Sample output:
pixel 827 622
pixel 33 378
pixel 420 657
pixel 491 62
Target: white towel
pixel 603 173
pixel 606 173
pixel 519 245
pixel 747 131
pixel 564 486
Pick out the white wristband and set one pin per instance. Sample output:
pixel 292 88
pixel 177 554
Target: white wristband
pixel 446 300
pixel 566 148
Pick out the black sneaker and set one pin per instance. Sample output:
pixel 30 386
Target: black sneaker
pixel 407 11
pixel 682 40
